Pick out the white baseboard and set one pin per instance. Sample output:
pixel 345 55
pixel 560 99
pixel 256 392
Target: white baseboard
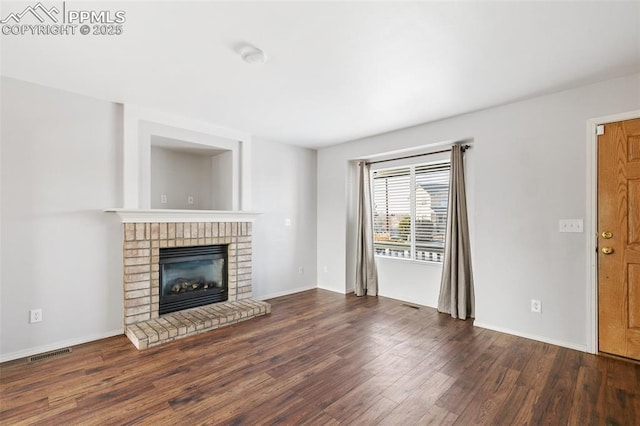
pixel 569 345
pixel 285 292
pixel 334 290
pixel 59 345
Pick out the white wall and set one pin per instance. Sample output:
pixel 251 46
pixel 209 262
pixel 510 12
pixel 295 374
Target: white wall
pixel 284 235
pixel 179 175
pixel 222 181
pixel 61 165
pixel 527 169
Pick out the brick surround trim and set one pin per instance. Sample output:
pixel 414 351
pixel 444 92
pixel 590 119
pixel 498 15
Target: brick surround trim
pixel 141 252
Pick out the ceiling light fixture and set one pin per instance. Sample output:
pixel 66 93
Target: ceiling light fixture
pixel 253 55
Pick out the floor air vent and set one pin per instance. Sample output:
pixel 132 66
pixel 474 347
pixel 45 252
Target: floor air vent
pixel 411 306
pixel 48 355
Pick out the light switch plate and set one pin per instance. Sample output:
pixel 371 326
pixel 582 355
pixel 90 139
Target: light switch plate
pixel 571 225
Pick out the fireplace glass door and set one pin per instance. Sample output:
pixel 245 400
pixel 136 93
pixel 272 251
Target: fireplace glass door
pixel 192 276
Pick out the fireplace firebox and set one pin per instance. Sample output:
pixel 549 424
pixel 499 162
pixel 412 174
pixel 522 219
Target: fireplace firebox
pixel 192 276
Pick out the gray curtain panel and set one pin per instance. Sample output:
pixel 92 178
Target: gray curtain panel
pixel 456 288
pixel 366 274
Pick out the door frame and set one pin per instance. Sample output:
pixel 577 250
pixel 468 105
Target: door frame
pixel 591 222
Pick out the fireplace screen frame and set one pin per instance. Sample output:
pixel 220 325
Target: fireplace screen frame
pixel 177 302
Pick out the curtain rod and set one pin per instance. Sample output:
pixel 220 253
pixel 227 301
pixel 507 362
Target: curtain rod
pixel 464 148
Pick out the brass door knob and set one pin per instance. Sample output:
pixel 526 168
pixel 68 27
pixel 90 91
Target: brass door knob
pixel 607 234
pixel 607 250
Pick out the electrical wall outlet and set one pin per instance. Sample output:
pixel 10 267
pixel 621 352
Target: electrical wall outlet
pixel 163 199
pixel 190 199
pixel 536 306
pixel 35 315
pixel 301 270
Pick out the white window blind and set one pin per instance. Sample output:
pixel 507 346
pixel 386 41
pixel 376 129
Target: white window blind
pixel 410 211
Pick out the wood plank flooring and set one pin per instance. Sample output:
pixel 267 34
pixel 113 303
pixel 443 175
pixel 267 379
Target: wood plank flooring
pixel 325 359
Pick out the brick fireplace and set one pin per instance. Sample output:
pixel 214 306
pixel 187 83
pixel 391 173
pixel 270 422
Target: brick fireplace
pixel 141 254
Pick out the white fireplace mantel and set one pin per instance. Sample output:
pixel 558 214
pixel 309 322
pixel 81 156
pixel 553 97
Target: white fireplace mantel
pixel 171 216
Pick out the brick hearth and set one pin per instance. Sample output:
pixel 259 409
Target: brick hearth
pixel 177 325
pixel 142 243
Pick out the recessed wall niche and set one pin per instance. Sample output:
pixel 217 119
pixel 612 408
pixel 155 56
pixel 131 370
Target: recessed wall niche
pixel 190 177
pixel 183 164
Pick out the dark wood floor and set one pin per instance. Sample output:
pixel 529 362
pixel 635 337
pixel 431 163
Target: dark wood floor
pixel 325 358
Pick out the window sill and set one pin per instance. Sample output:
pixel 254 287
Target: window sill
pixel 401 259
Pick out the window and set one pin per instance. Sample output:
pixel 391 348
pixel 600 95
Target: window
pixel 410 211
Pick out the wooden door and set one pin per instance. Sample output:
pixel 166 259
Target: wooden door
pixel 619 239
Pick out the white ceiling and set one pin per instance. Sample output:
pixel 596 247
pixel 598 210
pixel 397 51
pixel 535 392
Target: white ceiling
pixel 336 71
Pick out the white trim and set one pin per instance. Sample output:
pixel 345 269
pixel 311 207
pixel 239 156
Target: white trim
pixel 59 345
pixel 591 226
pixel 581 348
pixel 172 216
pixel 245 173
pixel 591 223
pixel 404 259
pixel 335 290
pixel 412 211
pixel 285 292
